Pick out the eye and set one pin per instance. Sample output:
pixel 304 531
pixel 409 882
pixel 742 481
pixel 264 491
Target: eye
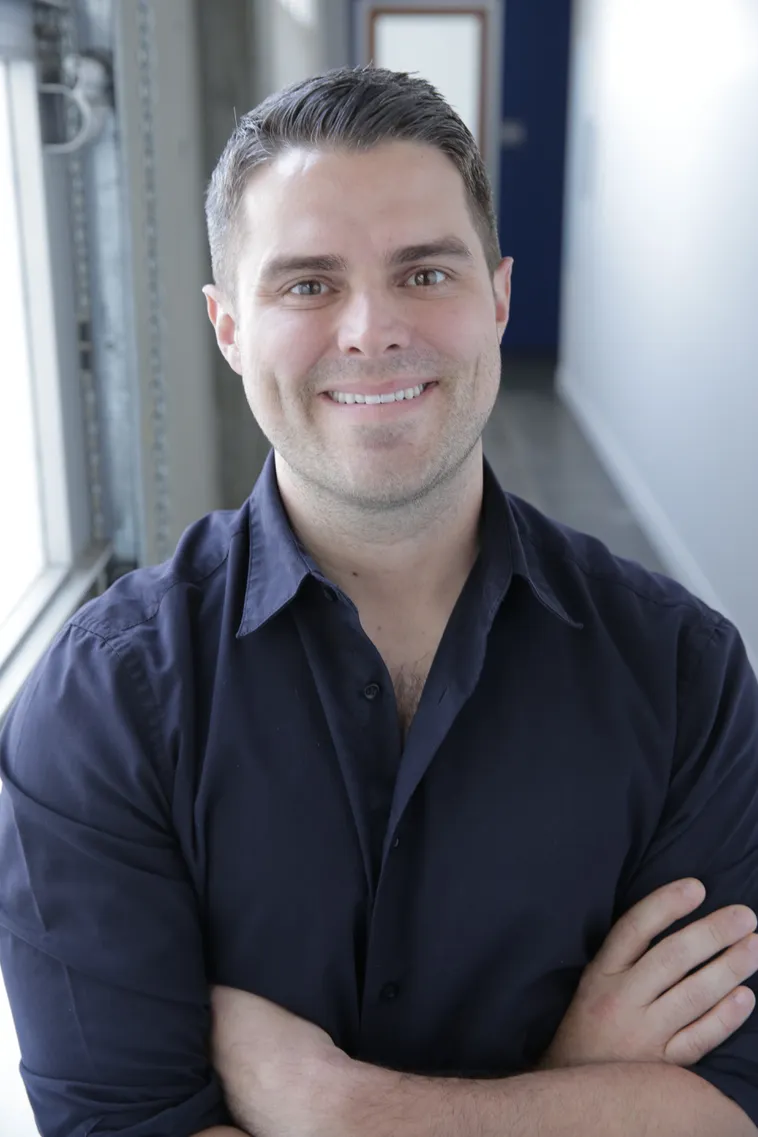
pixel 420 278
pixel 310 288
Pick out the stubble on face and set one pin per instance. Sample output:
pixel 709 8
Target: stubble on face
pixel 380 472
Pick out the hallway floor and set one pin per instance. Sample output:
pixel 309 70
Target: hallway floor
pixel 539 453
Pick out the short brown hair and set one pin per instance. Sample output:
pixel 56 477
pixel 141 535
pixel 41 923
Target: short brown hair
pixel 352 109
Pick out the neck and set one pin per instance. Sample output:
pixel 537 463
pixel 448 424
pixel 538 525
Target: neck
pixel 382 559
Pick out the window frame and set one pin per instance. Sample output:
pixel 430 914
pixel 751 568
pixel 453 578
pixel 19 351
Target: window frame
pixel 127 259
pixel 74 565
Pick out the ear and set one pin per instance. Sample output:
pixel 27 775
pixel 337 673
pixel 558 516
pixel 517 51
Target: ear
pixel 221 316
pixel 501 285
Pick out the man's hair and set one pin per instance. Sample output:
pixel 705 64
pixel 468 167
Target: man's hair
pixel 345 109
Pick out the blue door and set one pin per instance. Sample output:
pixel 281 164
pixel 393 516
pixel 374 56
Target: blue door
pixel 530 207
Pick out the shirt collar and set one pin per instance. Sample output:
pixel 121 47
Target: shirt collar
pixel 506 541
pixel 277 567
pixel 278 564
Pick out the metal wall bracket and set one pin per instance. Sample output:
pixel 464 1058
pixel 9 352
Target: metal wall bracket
pixel 89 88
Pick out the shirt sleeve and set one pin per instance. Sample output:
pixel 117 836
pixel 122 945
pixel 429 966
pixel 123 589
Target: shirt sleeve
pixel 101 945
pixel 709 825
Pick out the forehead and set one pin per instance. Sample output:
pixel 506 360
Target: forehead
pixel 327 201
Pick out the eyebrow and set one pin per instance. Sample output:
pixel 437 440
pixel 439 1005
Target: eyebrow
pixel 445 247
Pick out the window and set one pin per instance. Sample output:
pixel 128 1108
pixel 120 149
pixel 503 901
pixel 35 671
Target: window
pixel 447 48
pixel 48 562
pixel 456 44
pixel 23 558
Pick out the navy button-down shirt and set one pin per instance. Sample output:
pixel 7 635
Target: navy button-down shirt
pixel 205 781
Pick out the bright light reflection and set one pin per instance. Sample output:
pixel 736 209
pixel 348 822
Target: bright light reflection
pixel 685 50
pixel 304 11
pixel 21 549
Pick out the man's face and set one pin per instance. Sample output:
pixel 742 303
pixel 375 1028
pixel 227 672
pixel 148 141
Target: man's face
pixel 338 298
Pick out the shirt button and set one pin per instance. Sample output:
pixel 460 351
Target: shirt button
pixel 371 691
pixel 330 594
pixel 395 843
pixel 389 992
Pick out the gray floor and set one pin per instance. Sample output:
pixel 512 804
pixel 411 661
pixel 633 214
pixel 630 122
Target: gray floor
pixel 539 453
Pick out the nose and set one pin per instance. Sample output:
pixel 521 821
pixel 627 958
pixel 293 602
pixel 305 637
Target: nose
pixel 372 323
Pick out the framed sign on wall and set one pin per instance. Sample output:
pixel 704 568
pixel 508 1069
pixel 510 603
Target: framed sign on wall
pixel 456 45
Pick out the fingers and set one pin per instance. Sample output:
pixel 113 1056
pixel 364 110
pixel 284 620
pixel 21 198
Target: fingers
pixel 697 1040
pixel 676 956
pixel 698 993
pixel 631 935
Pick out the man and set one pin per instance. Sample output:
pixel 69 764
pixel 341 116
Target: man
pixel 398 778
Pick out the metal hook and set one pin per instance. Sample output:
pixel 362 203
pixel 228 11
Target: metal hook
pixel 90 94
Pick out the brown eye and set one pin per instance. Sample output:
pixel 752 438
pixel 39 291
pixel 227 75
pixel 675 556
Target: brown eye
pixel 423 278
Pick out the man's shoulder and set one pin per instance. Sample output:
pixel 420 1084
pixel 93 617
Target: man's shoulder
pixel 193 580
pixel 593 581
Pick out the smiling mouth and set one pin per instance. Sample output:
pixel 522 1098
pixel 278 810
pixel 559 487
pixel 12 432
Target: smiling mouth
pixel 407 395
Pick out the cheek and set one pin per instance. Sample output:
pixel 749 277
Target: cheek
pixel 460 332
pixel 281 352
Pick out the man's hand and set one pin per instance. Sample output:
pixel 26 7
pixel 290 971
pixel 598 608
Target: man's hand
pixel 284 1077
pixel 635 1005
pixel 279 1072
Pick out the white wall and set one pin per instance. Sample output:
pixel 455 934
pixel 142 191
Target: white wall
pixel 659 340
pixel 294 39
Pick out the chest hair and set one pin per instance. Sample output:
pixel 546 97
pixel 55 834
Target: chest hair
pixel 408 682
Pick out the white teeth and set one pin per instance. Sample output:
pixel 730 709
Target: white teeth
pixel 374 400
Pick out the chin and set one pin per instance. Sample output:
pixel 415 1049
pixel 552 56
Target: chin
pixel 390 491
